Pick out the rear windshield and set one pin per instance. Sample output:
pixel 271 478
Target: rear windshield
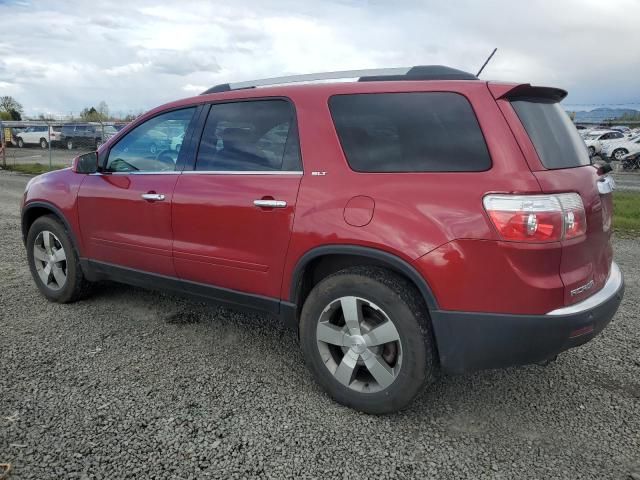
pixel 553 134
pixel 409 132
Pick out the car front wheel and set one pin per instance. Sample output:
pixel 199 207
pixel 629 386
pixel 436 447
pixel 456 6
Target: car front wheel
pixel 54 263
pixel 43 143
pixel 366 337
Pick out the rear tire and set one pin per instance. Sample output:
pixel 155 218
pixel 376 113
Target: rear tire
pixel 619 153
pixel 382 368
pixel 43 143
pixel 20 143
pixel 54 263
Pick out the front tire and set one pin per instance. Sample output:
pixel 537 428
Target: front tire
pixel 366 337
pixel 43 143
pixel 20 143
pixel 54 263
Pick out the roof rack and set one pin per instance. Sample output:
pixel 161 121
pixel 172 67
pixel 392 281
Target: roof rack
pixel 420 72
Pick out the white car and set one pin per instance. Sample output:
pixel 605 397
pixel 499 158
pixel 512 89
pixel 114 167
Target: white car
pixel 617 150
pixel 596 139
pixel 38 135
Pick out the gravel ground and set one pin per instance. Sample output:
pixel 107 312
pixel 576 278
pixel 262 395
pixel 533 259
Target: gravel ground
pixel 135 384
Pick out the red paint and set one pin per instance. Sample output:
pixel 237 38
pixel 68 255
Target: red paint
pixel 208 229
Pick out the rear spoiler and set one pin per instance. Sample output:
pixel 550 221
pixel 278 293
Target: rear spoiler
pixel 524 91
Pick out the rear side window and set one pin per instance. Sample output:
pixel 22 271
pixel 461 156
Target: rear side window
pixel 409 132
pixel 552 132
pixel 257 135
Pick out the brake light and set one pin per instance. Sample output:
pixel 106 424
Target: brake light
pixel 537 218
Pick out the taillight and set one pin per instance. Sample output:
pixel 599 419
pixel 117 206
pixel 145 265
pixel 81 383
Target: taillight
pixel 537 218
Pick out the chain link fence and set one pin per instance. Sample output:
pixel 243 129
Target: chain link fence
pixel 52 144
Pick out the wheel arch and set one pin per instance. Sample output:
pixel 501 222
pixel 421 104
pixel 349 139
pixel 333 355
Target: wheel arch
pixel 34 210
pixel 336 257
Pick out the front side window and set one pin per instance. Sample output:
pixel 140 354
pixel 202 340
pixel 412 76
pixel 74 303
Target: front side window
pixel 409 132
pixel 258 135
pixel 148 147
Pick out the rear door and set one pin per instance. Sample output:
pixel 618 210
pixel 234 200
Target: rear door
pixel 125 210
pixel 233 209
pixel 560 162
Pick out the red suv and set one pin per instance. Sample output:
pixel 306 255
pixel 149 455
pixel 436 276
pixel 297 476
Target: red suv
pixel 410 221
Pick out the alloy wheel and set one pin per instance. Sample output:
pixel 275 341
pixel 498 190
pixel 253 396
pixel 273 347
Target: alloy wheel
pixel 359 344
pixel 50 260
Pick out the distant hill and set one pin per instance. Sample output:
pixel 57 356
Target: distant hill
pixel 598 115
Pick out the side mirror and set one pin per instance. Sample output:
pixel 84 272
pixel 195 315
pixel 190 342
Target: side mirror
pixel 87 163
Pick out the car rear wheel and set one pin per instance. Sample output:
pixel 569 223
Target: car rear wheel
pixel 619 153
pixel 43 143
pixel 20 143
pixel 54 263
pixel 366 337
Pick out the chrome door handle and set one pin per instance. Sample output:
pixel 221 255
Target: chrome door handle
pixel 270 203
pixel 154 197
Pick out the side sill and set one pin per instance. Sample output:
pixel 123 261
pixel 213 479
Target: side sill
pixel 96 271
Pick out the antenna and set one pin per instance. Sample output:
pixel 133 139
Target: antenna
pixel 485 62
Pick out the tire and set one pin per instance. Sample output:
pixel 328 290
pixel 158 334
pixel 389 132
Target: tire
pixel 70 144
pixel 592 151
pixel 20 143
pixel 74 285
pixel 408 360
pixel 43 143
pixel 618 153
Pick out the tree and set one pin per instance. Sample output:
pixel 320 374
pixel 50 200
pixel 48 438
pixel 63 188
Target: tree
pixel 11 105
pixel 95 115
pixel 103 110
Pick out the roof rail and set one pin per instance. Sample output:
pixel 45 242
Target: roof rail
pixel 420 72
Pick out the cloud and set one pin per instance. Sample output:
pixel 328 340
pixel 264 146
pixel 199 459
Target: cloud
pixel 135 55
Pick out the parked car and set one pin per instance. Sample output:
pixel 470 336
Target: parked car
pixel 617 150
pixel 82 135
pixel 597 138
pixel 428 220
pixel 631 161
pixel 38 135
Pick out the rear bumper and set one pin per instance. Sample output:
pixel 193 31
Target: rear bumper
pixel 469 341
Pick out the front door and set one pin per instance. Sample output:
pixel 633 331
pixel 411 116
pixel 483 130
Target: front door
pixel 233 210
pixel 125 210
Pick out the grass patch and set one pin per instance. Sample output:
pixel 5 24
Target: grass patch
pixel 32 168
pixel 626 212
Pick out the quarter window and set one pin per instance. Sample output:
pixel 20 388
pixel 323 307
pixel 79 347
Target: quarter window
pixel 258 135
pixel 152 146
pixel 409 132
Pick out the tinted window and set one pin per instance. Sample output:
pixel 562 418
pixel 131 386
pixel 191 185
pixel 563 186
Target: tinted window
pixel 149 147
pixel 256 135
pixel 409 132
pixel 553 135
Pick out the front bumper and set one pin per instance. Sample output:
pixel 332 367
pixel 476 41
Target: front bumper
pixel 469 341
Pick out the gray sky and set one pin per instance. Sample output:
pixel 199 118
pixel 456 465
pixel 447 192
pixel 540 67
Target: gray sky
pixel 59 57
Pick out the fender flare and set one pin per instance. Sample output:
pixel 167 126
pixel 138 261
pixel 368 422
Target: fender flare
pixel 393 261
pixel 53 209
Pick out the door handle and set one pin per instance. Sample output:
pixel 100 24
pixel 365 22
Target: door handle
pixel 270 203
pixel 153 197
